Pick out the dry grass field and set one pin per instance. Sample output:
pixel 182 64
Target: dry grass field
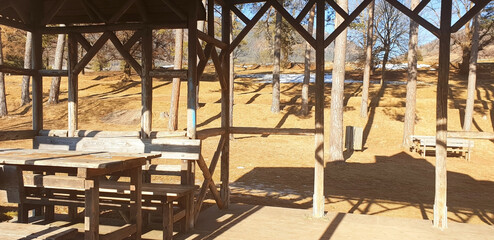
pixel 384 179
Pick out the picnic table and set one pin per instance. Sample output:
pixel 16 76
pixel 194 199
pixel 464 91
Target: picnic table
pixel 86 169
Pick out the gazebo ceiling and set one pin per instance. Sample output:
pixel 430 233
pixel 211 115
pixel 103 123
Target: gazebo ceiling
pixel 27 14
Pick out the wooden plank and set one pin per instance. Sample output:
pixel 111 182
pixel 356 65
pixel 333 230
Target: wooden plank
pixel 169 73
pixel 73 82
pixel 52 181
pixel 167 221
pixel 147 84
pixel 136 201
pixel 210 132
pixel 92 52
pixel 346 23
pixel 318 200
pixel 17 135
pixel 14 231
pixel 274 131
pixel 53 11
pixel 107 134
pixel 16 70
pixel 417 18
pixel 218 68
pixel 305 10
pixel 53 73
pixel 148 189
pixel 440 204
pixel 168 134
pixel 123 8
pixel 142 10
pixel 97 28
pixel 480 4
pixel 11 186
pixel 472 135
pixel 120 233
pixel 170 148
pixel 125 54
pixel 337 8
pixel 249 26
pixel 217 43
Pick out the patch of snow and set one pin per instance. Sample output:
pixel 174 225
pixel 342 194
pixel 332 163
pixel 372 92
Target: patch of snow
pixel 401 66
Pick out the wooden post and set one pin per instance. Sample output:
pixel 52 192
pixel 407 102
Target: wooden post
pixel 318 198
pixel 73 80
pixel 192 72
pixel 440 208
pixel 225 106
pixel 147 83
pixel 37 60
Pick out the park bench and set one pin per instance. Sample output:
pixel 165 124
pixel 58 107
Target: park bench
pixel 175 201
pixel 458 145
pixel 11 191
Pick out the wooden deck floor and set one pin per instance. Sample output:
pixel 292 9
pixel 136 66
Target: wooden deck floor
pixel 263 222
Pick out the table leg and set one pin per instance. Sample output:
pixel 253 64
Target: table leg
pixel 136 200
pixel 91 219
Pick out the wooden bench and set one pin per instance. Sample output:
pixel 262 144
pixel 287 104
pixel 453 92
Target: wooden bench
pixel 11 191
pixel 156 196
pixel 424 143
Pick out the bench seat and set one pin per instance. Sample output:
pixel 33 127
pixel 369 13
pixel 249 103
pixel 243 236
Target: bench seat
pixel 424 143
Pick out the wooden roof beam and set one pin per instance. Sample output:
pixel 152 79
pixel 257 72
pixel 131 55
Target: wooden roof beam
pixel 92 9
pixel 248 27
pixel 53 11
pixel 240 14
pixel 305 10
pixel 337 8
pixel 20 8
pixel 125 54
pixel 92 52
pixel 142 10
pixel 296 25
pixel 421 6
pixel 480 4
pixel 175 9
pixel 346 23
pixel 116 16
pixel 4 4
pixel 414 16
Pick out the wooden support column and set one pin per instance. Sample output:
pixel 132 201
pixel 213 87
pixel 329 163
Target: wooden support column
pixel 318 198
pixel 37 91
pixel 73 86
pixel 147 83
pixel 192 73
pixel 440 207
pixel 225 105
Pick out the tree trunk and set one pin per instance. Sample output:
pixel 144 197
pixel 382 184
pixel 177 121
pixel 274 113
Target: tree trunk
pixel 3 99
pixel 368 61
pixel 55 81
pixel 385 61
pixel 337 90
pixel 231 76
pixel 275 106
pixel 25 99
pixel 472 75
pixel 411 99
pixel 308 49
pixel 173 114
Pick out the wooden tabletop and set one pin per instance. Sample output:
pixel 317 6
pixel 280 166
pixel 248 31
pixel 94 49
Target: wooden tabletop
pixel 72 159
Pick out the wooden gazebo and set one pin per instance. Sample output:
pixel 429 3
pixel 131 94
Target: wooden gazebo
pixel 107 16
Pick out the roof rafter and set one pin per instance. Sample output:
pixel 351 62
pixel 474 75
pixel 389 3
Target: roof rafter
pixel 117 15
pixel 53 11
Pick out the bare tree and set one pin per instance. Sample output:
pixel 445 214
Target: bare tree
pixel 55 81
pixel 275 106
pixel 411 99
pixel 3 98
pixel 390 27
pixel 368 60
pixel 25 99
pixel 173 114
pixel 472 75
pixel 308 49
pixel 337 89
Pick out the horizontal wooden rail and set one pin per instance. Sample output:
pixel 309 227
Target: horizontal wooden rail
pixel 471 135
pixel 54 73
pixel 31 72
pixel 217 43
pixel 172 73
pixel 211 132
pixel 17 135
pixel 274 131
